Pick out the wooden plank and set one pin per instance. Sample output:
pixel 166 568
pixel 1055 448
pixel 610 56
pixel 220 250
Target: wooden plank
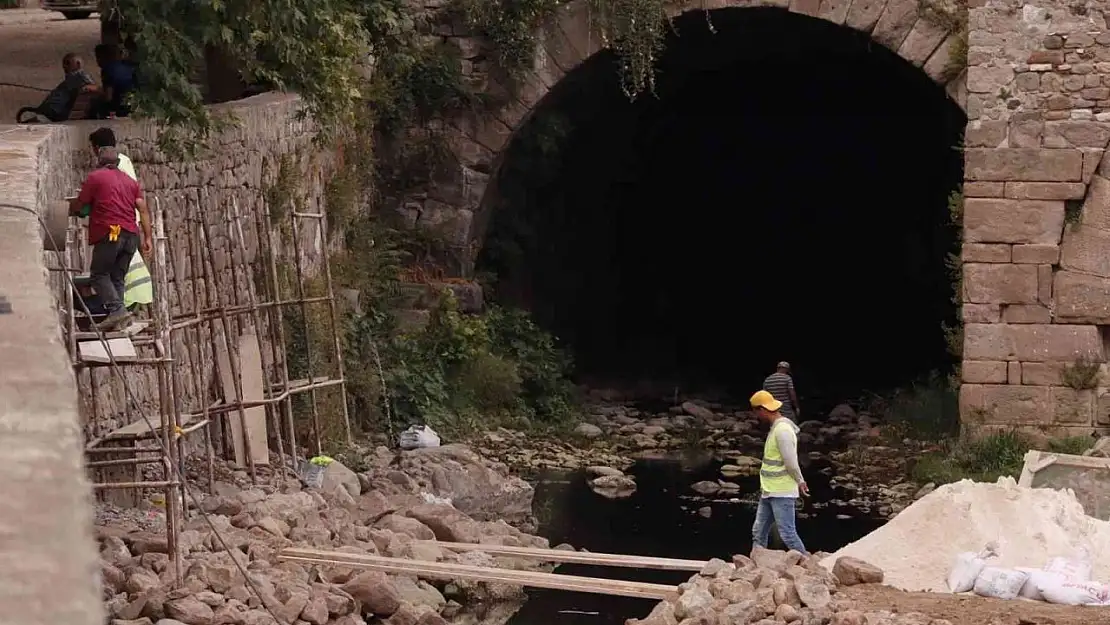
pixel 93 351
pixel 227 385
pixel 253 384
pixel 133 329
pixel 444 570
pixel 140 430
pixel 577 557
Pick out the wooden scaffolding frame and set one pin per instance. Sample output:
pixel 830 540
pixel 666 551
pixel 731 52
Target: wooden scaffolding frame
pixel 114 457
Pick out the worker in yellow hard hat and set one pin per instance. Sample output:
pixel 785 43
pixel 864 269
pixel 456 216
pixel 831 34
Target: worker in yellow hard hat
pixel 780 476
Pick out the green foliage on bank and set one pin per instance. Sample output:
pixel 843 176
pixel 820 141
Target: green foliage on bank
pixel 926 415
pixel 986 458
pixel 458 372
pixel 353 61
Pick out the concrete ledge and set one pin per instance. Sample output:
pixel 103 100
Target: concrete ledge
pixel 46 512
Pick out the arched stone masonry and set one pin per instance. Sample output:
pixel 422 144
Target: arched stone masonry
pixel 454 206
pixel 1037 218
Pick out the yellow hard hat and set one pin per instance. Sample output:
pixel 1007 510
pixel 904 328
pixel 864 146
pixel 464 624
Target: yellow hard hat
pixel 765 400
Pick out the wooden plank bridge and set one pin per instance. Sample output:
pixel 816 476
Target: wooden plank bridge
pixel 534 579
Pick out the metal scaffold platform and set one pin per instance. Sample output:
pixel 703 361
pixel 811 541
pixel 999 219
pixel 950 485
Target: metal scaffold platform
pixel 213 341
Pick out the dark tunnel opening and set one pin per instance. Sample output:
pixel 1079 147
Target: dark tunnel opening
pixel 782 197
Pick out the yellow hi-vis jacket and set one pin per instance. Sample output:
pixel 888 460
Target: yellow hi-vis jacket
pixel 773 476
pixel 137 285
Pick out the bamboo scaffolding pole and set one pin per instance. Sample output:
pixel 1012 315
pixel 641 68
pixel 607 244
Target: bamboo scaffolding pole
pixel 175 451
pixel 577 557
pixel 451 571
pixel 232 355
pixel 307 335
pixel 278 319
pixel 195 355
pixel 323 230
pixel 122 462
pixel 214 313
pixel 200 283
pixel 236 226
pixel 121 485
pixel 165 393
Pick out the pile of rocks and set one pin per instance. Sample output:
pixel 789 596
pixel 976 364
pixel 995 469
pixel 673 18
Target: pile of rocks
pixel 774 587
pixel 390 516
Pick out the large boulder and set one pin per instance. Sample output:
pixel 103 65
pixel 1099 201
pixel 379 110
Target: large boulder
pixel 481 488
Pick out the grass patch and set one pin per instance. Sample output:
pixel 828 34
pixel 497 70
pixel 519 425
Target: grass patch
pixel 986 458
pixel 1080 375
pixel 928 410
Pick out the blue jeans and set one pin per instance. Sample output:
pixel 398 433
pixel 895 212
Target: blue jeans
pixel 781 511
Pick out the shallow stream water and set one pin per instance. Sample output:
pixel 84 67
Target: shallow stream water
pixel 662 519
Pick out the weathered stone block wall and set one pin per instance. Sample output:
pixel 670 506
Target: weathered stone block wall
pixel 1036 253
pixel 238 171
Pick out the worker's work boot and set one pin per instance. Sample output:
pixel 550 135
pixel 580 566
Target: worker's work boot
pixel 116 320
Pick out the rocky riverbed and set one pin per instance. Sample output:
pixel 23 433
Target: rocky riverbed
pixel 867 473
pixel 232 575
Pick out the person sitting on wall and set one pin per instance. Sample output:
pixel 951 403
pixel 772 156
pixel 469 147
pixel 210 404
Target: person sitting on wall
pixel 118 78
pixel 58 104
pixel 111 198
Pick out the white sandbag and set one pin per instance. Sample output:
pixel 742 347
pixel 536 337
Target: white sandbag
pixel 967 567
pixel 418 437
pixel 1075 569
pixel 1037 578
pixel 1000 583
pixel 1075 593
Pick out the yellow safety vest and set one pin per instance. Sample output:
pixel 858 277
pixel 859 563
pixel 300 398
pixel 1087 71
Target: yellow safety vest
pixel 773 476
pixel 137 285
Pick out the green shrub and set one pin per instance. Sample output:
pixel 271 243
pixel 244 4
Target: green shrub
pixel 459 373
pixel 927 410
pixel 986 458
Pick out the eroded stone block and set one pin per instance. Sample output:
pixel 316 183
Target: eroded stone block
pixel 1032 342
pixel 1071 406
pixel 1000 283
pixel 992 220
pixel 1081 296
pixel 980 313
pixel 1026 313
pixel 1006 404
pixel 983 372
pixel 985 253
pixel 1087 250
pixel 1032 164
pixel 1036 254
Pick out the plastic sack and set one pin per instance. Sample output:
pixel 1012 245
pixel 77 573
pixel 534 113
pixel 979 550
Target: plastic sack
pixel 1000 583
pixel 1038 578
pixel 417 437
pixel 967 567
pixel 1074 569
pixel 1075 593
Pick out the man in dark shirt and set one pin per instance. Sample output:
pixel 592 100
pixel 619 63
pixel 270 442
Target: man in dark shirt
pixel 59 103
pixel 118 78
pixel 112 197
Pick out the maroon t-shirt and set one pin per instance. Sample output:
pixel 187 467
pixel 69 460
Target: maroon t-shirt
pixel 111 195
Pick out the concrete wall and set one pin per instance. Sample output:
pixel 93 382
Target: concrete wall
pixel 46 509
pixel 1037 215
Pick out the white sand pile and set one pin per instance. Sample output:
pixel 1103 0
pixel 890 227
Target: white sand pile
pixel 916 548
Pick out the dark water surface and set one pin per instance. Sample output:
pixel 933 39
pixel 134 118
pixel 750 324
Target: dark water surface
pixel 660 519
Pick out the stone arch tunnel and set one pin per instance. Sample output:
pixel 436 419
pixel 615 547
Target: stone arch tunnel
pixel 782 195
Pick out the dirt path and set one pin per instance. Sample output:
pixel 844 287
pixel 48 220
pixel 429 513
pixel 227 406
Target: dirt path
pixel 32 58
pixel 972 610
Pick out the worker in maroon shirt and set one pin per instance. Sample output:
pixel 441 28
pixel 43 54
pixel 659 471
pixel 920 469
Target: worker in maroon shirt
pixel 112 197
